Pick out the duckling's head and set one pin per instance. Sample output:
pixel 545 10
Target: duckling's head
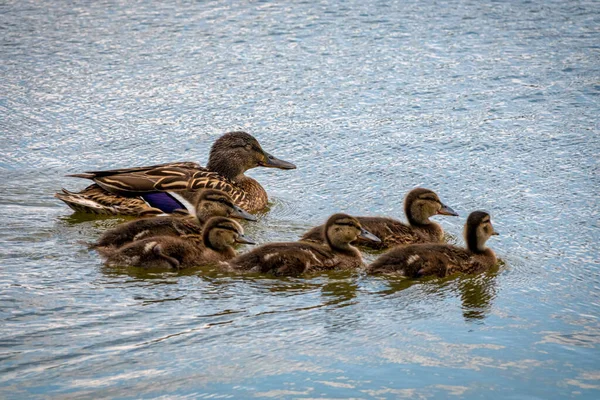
pixel 220 233
pixel 341 229
pixel 420 204
pixel 216 203
pixel 236 152
pixel 478 229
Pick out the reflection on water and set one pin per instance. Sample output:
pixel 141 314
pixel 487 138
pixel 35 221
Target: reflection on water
pixel 477 294
pixel 492 105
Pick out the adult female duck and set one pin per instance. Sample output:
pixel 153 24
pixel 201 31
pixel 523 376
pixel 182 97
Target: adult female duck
pixel 165 188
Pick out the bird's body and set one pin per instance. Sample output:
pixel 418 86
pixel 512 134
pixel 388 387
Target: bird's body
pixel 296 258
pixel 165 188
pixel 442 259
pixel 420 204
pixel 180 252
pixel 210 203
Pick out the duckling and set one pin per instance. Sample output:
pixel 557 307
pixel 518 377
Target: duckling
pixel 419 205
pixel 210 203
pixel 443 259
pixel 164 188
pixel 295 258
pixel 215 244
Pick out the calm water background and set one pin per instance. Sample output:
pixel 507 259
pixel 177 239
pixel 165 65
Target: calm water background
pixel 494 105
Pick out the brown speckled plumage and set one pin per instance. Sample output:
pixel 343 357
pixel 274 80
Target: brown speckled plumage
pixel 116 192
pixel 419 205
pixel 210 203
pixel 295 258
pixel 179 252
pixel 441 259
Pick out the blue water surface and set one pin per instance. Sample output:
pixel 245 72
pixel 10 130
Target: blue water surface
pixel 492 104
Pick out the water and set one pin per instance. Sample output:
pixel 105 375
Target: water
pixel 494 105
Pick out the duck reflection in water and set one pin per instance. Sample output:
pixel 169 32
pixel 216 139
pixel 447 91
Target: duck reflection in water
pixel 476 292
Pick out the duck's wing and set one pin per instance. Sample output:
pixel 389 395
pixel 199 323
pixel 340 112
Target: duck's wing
pixel 109 172
pixel 391 232
pixel 185 181
pixel 96 200
pixel 164 187
pixel 284 259
pixel 420 260
pixel 138 182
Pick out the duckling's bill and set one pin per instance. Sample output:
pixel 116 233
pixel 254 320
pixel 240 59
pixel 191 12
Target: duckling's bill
pixel 242 239
pixel 445 210
pixel 240 213
pixel 365 234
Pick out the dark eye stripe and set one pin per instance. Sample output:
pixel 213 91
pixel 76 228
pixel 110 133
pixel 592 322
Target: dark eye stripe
pixel 430 198
pixel 347 224
pixel 227 228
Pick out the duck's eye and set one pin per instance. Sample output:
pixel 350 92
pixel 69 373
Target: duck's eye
pixel 248 147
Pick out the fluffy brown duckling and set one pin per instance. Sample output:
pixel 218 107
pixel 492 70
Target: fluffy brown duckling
pixel 442 259
pixel 419 205
pixel 210 203
pixel 179 252
pixel 295 258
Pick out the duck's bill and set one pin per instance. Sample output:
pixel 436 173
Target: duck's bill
pixel 274 162
pixel 495 233
pixel 445 210
pixel 364 234
pixel 242 214
pixel 244 240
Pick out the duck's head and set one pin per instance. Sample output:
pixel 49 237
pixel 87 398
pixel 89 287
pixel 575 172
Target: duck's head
pixel 420 204
pixel 342 229
pixel 220 233
pixel 236 152
pixel 478 229
pixel 216 203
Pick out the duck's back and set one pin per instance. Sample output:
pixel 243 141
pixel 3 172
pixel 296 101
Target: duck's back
pixel 147 227
pixel 391 232
pixel 138 190
pixel 292 258
pixel 150 252
pixel 431 259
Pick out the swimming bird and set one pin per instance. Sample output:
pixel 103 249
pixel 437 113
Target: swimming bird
pixel 295 258
pixel 165 188
pixel 210 203
pixel 442 259
pixel 179 252
pixel 419 205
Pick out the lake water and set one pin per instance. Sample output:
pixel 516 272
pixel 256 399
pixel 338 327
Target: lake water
pixel 494 105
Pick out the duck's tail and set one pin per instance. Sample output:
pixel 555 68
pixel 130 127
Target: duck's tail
pixel 96 200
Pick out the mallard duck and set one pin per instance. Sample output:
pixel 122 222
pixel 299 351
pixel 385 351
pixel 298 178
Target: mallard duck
pixel 168 187
pixel 442 259
pixel 179 252
pixel 295 258
pixel 210 203
pixel 419 205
